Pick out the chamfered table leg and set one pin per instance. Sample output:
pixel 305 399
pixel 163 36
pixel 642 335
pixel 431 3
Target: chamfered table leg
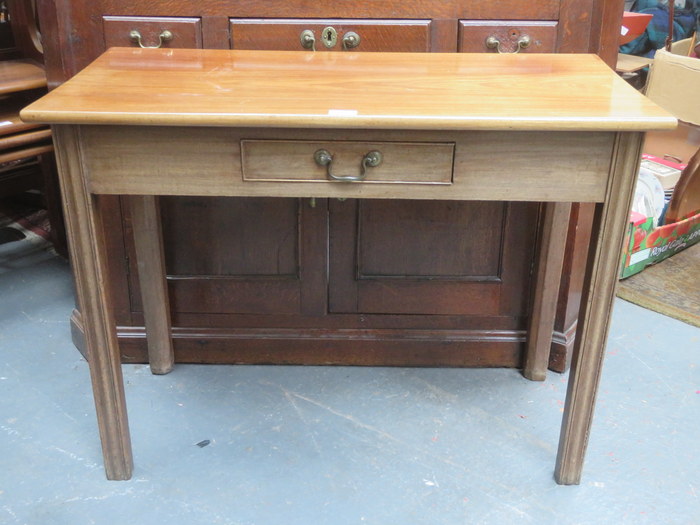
pixel 148 240
pixel 602 273
pixel 88 258
pixel 553 232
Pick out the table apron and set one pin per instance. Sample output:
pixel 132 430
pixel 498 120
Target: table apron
pixel 463 165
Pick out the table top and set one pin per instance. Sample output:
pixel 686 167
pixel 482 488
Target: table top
pixel 426 91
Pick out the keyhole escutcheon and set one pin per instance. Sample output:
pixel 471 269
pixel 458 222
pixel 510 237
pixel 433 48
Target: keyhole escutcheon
pixel 329 37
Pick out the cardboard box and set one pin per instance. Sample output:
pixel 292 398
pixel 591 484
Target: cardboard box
pixel 679 144
pixel 667 172
pixel 673 82
pixel 646 245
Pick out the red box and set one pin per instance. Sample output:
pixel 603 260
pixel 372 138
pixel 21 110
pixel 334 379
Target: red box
pixel 633 25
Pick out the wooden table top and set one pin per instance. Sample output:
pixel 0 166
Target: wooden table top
pixel 350 90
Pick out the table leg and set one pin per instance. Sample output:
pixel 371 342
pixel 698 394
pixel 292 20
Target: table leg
pixel 602 273
pixel 555 226
pixel 89 262
pixel 148 240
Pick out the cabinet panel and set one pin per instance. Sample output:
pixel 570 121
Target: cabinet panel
pixel 456 242
pixel 507 36
pixel 152 31
pixel 431 258
pixel 371 35
pixel 239 237
pixel 240 256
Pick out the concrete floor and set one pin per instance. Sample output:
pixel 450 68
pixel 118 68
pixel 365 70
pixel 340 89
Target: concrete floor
pixel 322 445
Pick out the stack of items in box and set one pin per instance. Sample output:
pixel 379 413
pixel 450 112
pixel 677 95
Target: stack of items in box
pixel 665 216
pixel 666 209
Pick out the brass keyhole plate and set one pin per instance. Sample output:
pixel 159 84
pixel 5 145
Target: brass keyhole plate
pixel 329 37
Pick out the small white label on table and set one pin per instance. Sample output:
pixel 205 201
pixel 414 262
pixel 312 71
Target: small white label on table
pixel 342 112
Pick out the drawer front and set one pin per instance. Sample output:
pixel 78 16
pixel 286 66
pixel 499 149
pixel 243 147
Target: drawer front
pixel 152 31
pixel 507 36
pixel 331 35
pixel 300 161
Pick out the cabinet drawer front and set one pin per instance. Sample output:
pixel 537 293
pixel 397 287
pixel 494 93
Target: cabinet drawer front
pixel 473 36
pixel 401 162
pixel 374 35
pixel 182 32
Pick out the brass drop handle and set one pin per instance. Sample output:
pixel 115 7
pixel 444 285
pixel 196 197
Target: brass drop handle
pixel 523 42
pixel 165 36
pixel 370 160
pixel 351 40
pixel 307 39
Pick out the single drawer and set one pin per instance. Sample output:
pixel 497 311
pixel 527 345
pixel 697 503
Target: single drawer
pixel 345 161
pixel 507 36
pixel 331 34
pixel 152 31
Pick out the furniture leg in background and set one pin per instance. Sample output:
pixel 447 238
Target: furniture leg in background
pixel 555 225
pixel 148 240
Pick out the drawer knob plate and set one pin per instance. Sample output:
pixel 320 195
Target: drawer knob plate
pixel 372 159
pixel 351 40
pixel 307 39
pixel 523 42
pixel 165 36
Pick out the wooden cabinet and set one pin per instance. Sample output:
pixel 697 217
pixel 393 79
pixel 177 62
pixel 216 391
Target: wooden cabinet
pixel 262 280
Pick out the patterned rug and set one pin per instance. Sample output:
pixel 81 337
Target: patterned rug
pixel 24 235
pixel 671 287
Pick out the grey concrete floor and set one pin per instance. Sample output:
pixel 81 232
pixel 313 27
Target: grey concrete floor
pixel 339 445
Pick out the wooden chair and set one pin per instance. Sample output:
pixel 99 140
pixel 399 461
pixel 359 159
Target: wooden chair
pixel 26 151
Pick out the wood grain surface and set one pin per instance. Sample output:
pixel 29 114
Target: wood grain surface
pixel 196 87
pixel 488 165
pixel 20 75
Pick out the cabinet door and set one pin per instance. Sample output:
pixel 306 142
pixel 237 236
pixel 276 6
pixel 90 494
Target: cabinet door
pixel 331 34
pixel 242 256
pixel 427 257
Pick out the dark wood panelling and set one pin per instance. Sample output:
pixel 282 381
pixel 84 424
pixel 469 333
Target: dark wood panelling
pixel 231 237
pixel 443 36
pixel 575 25
pixel 393 238
pixel 350 347
pixel 244 256
pixel 605 29
pixel 428 259
pixel 215 32
pixel 484 9
pixel 578 238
